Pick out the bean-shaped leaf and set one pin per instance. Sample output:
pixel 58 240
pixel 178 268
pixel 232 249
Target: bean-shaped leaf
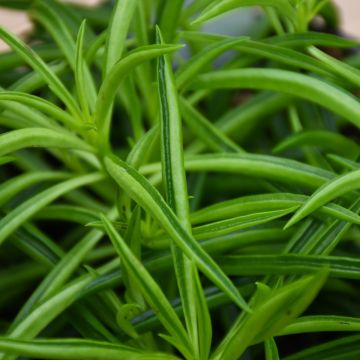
pixel 150 289
pixel 149 198
pixel 77 348
pixel 320 92
pixel 326 193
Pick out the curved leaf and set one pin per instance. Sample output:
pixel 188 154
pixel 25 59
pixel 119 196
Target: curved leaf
pixel 25 210
pixel 321 323
pixel 38 137
pixel 77 348
pixel 320 92
pixel 40 66
pixel 217 8
pixel 326 193
pixel 12 187
pixel 265 202
pixel 114 78
pixel 343 267
pixel 264 166
pixel 39 104
pixel 321 138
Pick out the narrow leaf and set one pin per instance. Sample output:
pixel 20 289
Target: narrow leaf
pixel 326 193
pixel 149 198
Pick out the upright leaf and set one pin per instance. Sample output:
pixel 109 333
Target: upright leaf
pixel 150 289
pixel 117 32
pixel 150 199
pixel 176 193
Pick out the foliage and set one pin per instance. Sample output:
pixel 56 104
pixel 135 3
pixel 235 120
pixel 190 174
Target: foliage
pixel 171 193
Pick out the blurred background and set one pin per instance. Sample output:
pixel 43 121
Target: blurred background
pixel 19 23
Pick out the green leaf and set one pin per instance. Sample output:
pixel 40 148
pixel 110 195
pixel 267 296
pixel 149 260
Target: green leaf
pixel 113 80
pixel 230 225
pixel 320 92
pixel 217 8
pixel 258 49
pixel 274 309
pixel 174 178
pixel 346 348
pixel 247 205
pixel 144 147
pixel 77 214
pixel 123 317
pixel 28 208
pixel 170 17
pixel 40 104
pixel 79 72
pixel 38 137
pixel 149 198
pixel 343 267
pixel 321 323
pixel 133 238
pixel 346 71
pixel 10 188
pixel 41 316
pixel 263 166
pixel 51 16
pixel 197 63
pixel 327 192
pixel 271 351
pixel 309 38
pixel 77 348
pixel 205 130
pixel 320 138
pixel 150 289
pixel 343 162
pixel 117 32
pixel 34 60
